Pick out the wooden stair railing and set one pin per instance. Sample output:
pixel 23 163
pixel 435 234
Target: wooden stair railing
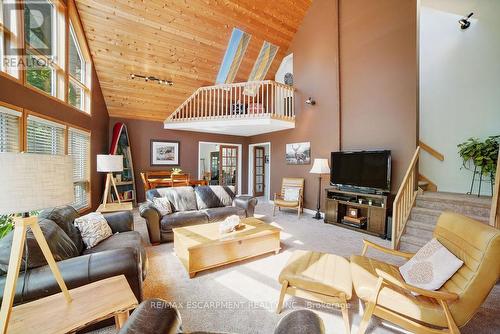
pixel 238 100
pixel 495 204
pixel 405 198
pixel 431 151
pixel 430 186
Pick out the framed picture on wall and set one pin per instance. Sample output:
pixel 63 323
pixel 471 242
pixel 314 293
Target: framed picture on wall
pixel 164 152
pixel 298 153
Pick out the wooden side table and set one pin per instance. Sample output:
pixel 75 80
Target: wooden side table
pixel 113 207
pixel 110 297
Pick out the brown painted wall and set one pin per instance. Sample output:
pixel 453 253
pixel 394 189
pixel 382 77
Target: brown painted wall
pixel 16 94
pixel 378 71
pixel 315 69
pixel 141 132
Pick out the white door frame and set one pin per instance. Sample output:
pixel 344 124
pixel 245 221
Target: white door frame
pixel 240 153
pixel 267 182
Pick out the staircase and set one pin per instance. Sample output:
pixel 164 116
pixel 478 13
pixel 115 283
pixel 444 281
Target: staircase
pixel 429 205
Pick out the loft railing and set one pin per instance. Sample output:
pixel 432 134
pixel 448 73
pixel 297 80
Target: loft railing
pixel 238 100
pixel 405 198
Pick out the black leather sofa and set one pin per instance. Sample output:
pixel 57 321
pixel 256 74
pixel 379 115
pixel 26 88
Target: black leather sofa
pixel 193 206
pixel 121 253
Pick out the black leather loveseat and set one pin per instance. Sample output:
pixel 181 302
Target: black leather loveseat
pixel 193 206
pixel 121 253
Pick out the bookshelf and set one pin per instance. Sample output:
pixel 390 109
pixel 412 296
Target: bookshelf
pixel 125 181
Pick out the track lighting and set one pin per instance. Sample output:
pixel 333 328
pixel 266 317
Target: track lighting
pixel 464 22
pixel 151 78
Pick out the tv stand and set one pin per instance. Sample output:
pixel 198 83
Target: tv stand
pixel 373 210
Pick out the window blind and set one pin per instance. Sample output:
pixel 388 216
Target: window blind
pixel 44 136
pixel 79 150
pixel 9 130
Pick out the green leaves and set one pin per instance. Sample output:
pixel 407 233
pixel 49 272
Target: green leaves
pixel 481 154
pixel 6 224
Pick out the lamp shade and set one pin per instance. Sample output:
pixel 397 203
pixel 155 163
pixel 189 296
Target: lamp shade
pixel 30 182
pixel 109 163
pixel 320 166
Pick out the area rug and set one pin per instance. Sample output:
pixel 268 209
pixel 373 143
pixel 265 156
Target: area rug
pixel 241 297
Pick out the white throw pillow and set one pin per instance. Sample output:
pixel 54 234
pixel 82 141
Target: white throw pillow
pixel 162 204
pixel 291 194
pixel 94 228
pixel 430 267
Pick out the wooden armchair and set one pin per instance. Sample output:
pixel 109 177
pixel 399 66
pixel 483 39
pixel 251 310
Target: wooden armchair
pixel 279 199
pixel 145 182
pixel 387 295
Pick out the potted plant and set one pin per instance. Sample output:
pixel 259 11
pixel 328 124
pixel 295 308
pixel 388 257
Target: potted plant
pixel 480 157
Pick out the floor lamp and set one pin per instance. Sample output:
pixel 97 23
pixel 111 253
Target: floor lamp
pixel 31 182
pixel 109 163
pixel 319 167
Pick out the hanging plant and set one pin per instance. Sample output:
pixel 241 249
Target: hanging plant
pixel 482 155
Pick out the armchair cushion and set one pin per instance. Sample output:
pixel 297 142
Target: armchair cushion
pixel 283 203
pixel 291 194
pixel 430 267
pixel 365 277
pixel 162 204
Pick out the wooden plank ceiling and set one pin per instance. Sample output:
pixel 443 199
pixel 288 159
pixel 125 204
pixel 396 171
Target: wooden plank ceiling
pixel 179 40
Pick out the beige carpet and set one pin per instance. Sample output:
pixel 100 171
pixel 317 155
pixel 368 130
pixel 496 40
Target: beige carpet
pixel 241 298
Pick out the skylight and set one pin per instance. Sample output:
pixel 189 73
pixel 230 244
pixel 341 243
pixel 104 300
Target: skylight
pixel 236 48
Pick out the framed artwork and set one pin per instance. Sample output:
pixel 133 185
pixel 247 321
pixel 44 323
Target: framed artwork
pixel 298 153
pixel 164 152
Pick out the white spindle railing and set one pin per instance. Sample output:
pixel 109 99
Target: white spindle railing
pixel 238 100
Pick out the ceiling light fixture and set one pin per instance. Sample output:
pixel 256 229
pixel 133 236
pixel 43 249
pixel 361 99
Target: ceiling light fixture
pixel 464 22
pixel 151 78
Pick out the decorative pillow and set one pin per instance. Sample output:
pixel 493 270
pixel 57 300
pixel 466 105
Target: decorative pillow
pixel 430 267
pixel 291 194
pixel 94 228
pixel 162 204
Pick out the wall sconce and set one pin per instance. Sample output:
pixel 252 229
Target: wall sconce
pixel 151 78
pixel 310 101
pixel 464 22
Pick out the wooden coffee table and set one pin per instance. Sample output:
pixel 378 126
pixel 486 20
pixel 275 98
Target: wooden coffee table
pixel 201 247
pixel 110 297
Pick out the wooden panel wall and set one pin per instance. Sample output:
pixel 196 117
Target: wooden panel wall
pixel 182 41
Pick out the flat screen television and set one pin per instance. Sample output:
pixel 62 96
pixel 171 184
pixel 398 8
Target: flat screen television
pixel 366 170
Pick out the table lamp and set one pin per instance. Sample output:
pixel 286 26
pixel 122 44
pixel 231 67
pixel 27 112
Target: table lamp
pixel 109 163
pixel 31 182
pixel 320 167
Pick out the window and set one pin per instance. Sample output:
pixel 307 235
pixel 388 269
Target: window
pixel 235 51
pixel 79 149
pixel 44 136
pixel 10 121
pixel 10 38
pixel 44 31
pixel 78 88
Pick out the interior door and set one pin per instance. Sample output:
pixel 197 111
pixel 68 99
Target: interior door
pixel 258 171
pixel 228 162
pixel 214 168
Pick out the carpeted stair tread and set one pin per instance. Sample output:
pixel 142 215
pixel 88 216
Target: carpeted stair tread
pixel 420 225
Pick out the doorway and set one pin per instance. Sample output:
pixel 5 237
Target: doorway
pixel 259 170
pixel 220 164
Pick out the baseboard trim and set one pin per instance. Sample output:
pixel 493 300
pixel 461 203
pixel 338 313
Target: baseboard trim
pixel 306 210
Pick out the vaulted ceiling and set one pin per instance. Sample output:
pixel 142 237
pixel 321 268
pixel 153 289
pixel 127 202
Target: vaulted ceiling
pixel 179 40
